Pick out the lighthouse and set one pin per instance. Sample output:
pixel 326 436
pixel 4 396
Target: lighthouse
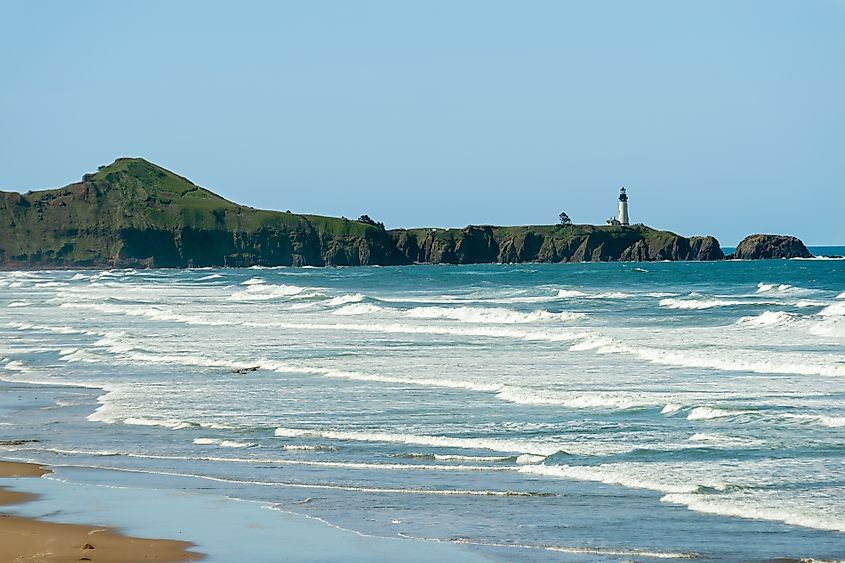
pixel 623 207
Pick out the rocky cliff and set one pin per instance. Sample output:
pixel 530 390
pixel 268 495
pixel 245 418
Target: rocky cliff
pixel 756 247
pixel 564 243
pixel 133 213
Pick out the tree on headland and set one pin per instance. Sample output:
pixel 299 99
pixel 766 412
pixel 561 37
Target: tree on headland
pixel 564 218
pixel 368 220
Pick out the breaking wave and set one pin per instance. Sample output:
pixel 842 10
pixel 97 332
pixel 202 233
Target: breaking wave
pixel 490 315
pixel 677 303
pixel 779 289
pixel 768 318
pixel 262 291
pixel 543 449
pixel 223 443
pixel 710 413
pixel 749 509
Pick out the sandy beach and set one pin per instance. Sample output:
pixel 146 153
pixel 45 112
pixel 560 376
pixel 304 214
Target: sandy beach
pixel 27 539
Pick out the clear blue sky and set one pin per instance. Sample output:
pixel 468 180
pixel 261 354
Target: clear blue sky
pixel 720 117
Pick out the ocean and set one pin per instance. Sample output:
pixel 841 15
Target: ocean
pixel 530 412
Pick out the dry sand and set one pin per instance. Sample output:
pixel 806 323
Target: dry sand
pixel 26 539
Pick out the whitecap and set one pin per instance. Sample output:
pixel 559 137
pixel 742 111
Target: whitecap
pixel 833 310
pixel 609 474
pixel 780 289
pixel 574 400
pixel 526 459
pixel 714 439
pixel 489 315
pixel 750 509
pixel 671 408
pixel 823 420
pixel 359 309
pixel 767 318
pixel 676 303
pixel 222 443
pixel 710 413
pixel 264 292
pixel 567 293
pixel 804 303
pixel 345 299
pixel 495 444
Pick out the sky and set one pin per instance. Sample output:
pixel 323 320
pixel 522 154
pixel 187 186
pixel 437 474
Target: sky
pixel 719 117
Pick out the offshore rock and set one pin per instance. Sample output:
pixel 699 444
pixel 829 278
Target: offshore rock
pixel 756 247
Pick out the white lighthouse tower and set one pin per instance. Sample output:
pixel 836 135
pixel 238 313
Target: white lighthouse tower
pixel 623 207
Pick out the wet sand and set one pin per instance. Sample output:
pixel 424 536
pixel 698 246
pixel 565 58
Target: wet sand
pixel 27 539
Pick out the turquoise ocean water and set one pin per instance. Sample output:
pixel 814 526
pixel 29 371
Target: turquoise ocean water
pixel 532 412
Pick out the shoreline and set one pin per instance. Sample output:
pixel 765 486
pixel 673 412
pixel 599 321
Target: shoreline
pixel 30 538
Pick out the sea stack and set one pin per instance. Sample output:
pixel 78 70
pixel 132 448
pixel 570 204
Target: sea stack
pixel 757 247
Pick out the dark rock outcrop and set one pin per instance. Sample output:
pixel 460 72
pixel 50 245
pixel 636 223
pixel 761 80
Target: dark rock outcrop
pixel 756 247
pixel 705 249
pixel 547 243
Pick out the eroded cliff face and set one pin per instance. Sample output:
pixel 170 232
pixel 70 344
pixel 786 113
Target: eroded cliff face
pixel 756 247
pixel 571 243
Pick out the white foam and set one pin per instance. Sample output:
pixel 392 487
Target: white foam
pixel 833 310
pixel 495 444
pixel 77 277
pixel 671 408
pixel 710 413
pixel 575 400
pixel 823 420
pixel 768 318
pixel 756 361
pixel 724 440
pixel 345 299
pixel 222 443
pixel 611 474
pixel 490 315
pixel 458 457
pixel 780 289
pixel 254 281
pixel 676 303
pixel 359 309
pixel 567 293
pixel 210 277
pixel 151 312
pixel 526 459
pixel 804 303
pixel 747 508
pixel 264 292
pixel 604 552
